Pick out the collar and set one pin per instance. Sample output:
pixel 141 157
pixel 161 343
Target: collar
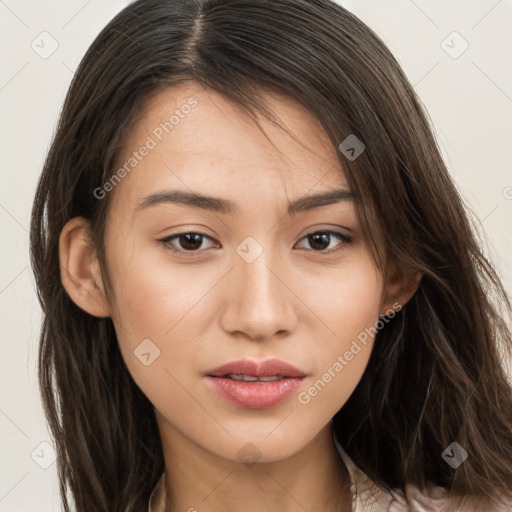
pixel 366 495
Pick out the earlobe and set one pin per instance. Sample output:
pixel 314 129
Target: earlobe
pixel 79 268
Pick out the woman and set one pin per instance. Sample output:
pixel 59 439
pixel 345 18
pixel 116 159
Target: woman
pixel 260 287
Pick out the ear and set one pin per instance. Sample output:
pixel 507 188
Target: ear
pixel 79 268
pixel 399 287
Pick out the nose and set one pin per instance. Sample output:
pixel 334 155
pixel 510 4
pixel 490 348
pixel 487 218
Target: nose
pixel 260 303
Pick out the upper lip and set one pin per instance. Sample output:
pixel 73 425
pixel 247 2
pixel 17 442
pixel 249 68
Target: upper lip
pixel 266 368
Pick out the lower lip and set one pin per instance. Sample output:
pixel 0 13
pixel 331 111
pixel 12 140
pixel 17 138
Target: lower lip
pixel 255 395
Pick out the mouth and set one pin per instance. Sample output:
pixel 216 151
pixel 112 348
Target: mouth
pixel 255 385
pixel 253 378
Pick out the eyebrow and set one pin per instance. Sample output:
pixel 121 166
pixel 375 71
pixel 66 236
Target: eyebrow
pixel 225 206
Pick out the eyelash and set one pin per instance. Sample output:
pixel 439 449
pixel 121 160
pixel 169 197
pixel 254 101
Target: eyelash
pixel 166 242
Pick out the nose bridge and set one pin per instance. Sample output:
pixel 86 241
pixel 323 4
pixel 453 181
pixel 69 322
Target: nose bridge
pixel 258 283
pixel 260 305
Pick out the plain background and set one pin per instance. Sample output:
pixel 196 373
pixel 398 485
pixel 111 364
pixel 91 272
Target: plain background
pixel 468 95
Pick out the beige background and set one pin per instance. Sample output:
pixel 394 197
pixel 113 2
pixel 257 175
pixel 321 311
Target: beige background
pixel 469 99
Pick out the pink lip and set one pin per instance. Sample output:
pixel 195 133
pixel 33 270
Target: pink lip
pixel 256 395
pixel 265 368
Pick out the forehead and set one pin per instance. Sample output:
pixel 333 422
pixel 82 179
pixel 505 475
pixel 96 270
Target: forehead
pixel 193 138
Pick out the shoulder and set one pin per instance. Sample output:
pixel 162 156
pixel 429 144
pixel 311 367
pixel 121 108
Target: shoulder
pixel 369 497
pixel 436 499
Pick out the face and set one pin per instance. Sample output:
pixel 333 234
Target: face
pixel 198 284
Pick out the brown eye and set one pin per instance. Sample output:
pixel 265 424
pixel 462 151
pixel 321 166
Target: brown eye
pixel 319 241
pixel 189 242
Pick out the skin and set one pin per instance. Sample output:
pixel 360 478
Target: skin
pixel 295 302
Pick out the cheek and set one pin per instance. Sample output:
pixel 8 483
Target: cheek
pixel 167 306
pixel 350 307
pixel 162 319
pixel 347 300
pixel 154 297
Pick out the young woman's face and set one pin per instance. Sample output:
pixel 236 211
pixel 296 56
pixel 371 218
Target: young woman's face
pixel 253 286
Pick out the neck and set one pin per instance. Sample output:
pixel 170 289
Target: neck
pixel 314 479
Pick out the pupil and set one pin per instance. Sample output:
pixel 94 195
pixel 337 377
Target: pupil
pixel 317 238
pixel 192 241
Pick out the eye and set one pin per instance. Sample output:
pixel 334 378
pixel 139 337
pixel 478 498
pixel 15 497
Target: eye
pixel 321 240
pixel 189 242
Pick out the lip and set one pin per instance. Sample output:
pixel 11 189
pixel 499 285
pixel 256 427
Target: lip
pixel 265 368
pixel 256 395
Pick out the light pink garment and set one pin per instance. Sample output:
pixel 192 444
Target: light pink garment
pixel 368 497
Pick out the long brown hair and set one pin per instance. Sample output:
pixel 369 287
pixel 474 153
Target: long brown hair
pixel 435 375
